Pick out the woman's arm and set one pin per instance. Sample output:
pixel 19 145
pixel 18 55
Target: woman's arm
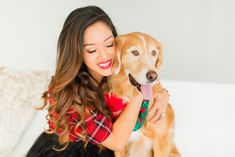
pixel 124 125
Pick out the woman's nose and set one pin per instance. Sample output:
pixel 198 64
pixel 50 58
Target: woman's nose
pixel 103 54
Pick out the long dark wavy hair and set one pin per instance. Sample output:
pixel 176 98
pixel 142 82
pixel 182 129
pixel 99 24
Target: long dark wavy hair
pixel 72 85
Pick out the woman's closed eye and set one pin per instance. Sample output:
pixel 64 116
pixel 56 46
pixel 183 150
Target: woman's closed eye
pixel 109 44
pixel 91 51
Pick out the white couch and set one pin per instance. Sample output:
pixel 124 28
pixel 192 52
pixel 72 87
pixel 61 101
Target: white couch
pixel 20 92
pixel 205 120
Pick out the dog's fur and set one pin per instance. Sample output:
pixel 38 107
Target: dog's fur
pixel 137 54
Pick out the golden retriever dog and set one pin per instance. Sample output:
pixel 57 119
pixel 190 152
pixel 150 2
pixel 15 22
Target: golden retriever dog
pixel 138 58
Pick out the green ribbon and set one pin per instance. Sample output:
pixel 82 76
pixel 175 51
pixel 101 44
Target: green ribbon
pixel 142 115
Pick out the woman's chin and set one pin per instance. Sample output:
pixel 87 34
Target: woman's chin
pixel 107 73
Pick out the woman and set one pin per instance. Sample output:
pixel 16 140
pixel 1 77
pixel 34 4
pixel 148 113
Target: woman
pixel 80 124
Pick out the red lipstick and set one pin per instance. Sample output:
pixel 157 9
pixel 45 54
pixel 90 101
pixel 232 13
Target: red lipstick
pixel 105 65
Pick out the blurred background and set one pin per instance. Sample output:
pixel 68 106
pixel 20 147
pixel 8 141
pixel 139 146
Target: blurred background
pixel 198 35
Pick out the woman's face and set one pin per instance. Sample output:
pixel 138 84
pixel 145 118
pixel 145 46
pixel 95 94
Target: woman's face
pixel 98 50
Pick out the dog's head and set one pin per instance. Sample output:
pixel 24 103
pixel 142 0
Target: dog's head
pixel 138 55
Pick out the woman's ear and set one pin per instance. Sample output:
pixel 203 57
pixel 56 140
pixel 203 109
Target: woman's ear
pixel 119 42
pixel 159 58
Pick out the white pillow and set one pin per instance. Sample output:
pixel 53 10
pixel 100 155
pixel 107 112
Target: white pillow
pixel 19 92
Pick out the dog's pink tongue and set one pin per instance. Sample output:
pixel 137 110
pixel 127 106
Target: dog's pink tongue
pixel 146 91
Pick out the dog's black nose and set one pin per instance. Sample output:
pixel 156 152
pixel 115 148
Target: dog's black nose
pixel 151 76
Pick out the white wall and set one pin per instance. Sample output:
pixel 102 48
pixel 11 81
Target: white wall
pixel 198 35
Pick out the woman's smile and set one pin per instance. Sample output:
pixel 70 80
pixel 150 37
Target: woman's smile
pixel 106 64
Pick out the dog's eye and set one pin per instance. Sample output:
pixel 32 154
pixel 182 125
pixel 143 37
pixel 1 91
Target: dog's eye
pixel 154 53
pixel 135 52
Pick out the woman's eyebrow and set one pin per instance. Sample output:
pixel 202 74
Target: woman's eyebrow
pixel 108 38
pixel 94 44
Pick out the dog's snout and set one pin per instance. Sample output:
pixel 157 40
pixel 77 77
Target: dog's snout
pixel 151 76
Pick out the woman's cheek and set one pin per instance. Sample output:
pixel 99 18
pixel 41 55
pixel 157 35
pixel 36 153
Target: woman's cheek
pixel 113 52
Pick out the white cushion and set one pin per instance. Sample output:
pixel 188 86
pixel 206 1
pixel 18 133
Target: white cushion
pixel 19 92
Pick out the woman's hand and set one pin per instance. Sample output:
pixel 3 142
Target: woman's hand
pixel 158 107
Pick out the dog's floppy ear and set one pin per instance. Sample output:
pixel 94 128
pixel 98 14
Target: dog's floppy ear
pixel 119 42
pixel 159 58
